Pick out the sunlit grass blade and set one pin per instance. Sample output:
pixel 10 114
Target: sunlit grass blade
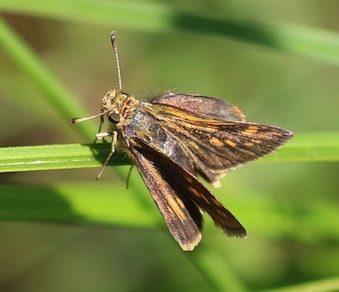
pixel 303 147
pixel 315 286
pixel 48 157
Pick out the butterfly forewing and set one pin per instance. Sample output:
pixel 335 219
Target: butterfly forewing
pixel 216 145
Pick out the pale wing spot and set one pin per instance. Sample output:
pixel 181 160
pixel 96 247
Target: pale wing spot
pixel 231 143
pixel 250 130
pixel 177 206
pixel 198 194
pixel 193 144
pixel 252 143
pixel 249 144
pixel 216 142
pixel 180 204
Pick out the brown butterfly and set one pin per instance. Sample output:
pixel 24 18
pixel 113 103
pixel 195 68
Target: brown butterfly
pixel 176 137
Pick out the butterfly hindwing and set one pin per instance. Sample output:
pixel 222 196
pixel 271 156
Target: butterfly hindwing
pixel 181 215
pixel 202 105
pixel 171 185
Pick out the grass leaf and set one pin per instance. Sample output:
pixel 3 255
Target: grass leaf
pixel 303 147
pixel 155 17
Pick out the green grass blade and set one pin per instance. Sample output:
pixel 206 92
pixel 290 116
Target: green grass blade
pixel 315 286
pixel 303 147
pixel 55 93
pixel 99 203
pixel 321 45
pixel 76 204
pixel 308 147
pixel 49 157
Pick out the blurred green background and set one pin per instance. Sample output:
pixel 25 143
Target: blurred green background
pixel 290 209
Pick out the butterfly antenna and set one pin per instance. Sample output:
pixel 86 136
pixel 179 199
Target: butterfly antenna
pixel 115 49
pixel 79 120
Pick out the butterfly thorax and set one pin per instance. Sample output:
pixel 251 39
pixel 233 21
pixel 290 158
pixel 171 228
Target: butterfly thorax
pixel 117 105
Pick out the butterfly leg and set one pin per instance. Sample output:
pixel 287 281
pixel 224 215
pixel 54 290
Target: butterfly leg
pixel 101 136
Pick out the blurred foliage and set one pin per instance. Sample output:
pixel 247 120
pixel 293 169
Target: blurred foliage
pixel 289 208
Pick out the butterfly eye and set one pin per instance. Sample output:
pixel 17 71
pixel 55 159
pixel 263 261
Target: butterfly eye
pixel 114 118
